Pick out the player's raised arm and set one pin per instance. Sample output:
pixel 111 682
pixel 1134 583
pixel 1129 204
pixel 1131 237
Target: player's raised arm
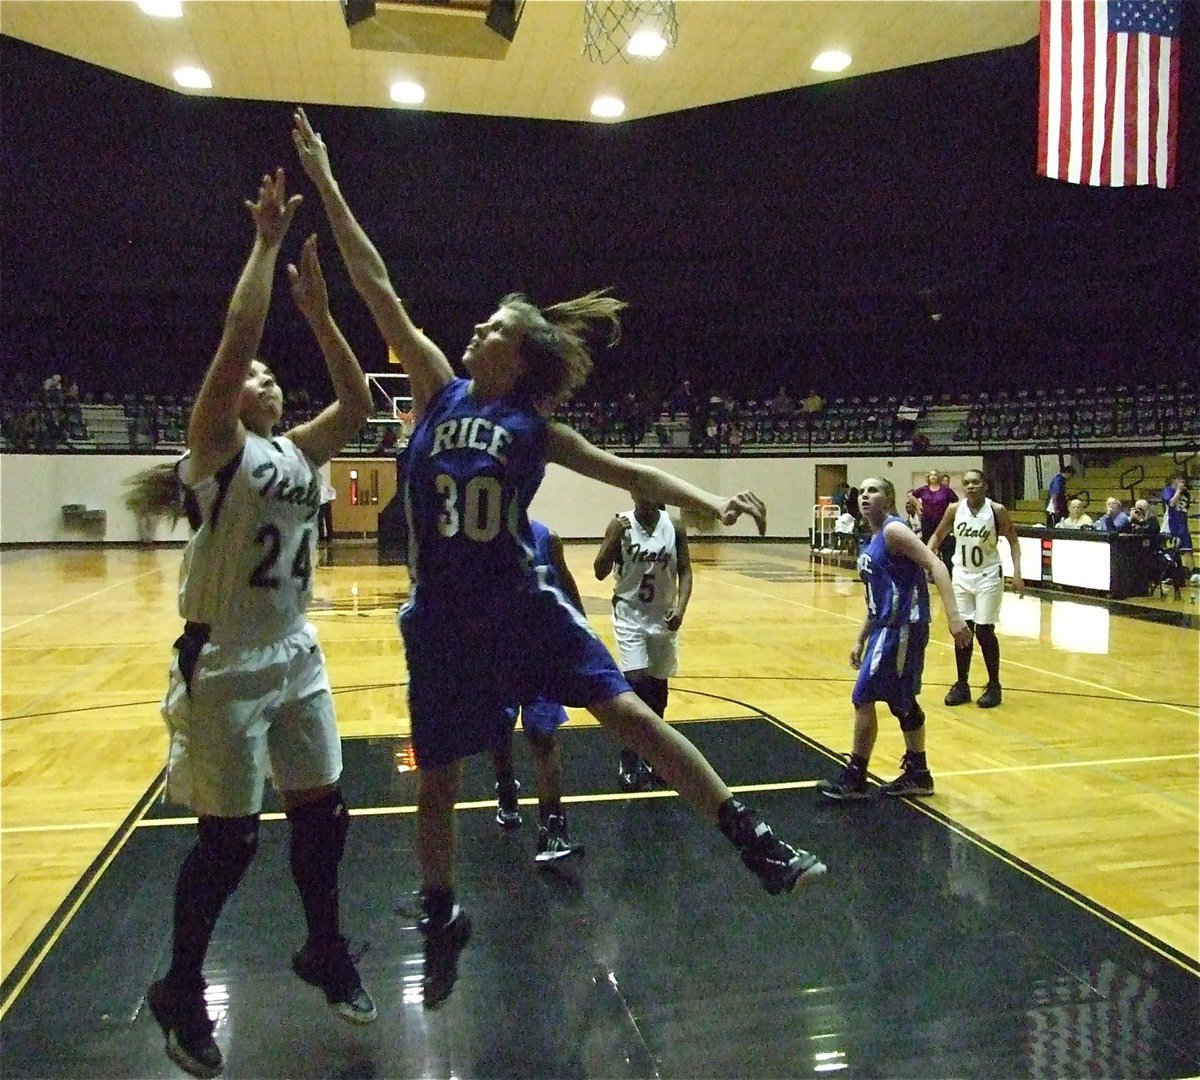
pixel 215 432
pixel 326 434
pixel 426 365
pixel 566 447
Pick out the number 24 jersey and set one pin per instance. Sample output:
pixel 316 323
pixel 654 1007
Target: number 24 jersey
pixel 247 569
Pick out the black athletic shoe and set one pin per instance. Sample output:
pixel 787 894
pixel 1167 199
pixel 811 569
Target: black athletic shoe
pixel 779 866
pixel 333 971
pixel 633 774
pixel 911 781
pixel 183 1017
pixel 850 785
pixel 443 943
pixel 990 697
pixel 508 811
pixel 959 694
pixel 554 842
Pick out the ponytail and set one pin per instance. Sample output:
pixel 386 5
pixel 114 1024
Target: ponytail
pixel 156 492
pixel 558 358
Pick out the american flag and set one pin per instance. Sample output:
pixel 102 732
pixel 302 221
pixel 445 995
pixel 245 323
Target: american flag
pixel 1109 100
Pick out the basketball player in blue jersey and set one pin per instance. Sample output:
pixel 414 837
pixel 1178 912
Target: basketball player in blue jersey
pixel 540 720
pixel 480 628
pixel 1177 500
pixel 890 652
pixel 248 687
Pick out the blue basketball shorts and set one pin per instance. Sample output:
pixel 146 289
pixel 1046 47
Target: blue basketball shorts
pixel 469 662
pixel 892 662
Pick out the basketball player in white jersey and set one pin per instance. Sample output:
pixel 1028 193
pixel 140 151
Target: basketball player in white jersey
pixel 976 523
pixel 647 552
pixel 248 690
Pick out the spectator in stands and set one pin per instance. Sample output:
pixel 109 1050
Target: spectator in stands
pixel 810 405
pixel 933 498
pixel 851 504
pixel 1177 499
pixel 1076 518
pixel 1056 502
pixel 1114 518
pixel 683 400
pixel 780 406
pixel 387 442
pixel 1141 520
pixel 912 513
pixel 845 530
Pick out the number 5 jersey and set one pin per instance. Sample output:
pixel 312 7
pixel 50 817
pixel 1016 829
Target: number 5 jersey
pixel 646 575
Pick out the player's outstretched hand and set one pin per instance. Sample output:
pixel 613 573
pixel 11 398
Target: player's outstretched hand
pixel 746 502
pixel 311 149
pixel 273 211
pixel 308 283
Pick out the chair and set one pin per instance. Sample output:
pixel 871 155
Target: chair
pixel 1169 569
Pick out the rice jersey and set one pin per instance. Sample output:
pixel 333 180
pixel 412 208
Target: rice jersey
pixel 646 574
pixel 247 569
pixel 896 588
pixel 473 467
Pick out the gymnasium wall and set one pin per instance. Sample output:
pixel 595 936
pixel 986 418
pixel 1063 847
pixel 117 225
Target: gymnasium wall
pixel 34 488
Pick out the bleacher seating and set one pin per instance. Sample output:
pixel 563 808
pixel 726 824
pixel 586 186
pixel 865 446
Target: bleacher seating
pixel 1162 417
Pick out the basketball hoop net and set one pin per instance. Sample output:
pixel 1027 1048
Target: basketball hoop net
pixel 628 28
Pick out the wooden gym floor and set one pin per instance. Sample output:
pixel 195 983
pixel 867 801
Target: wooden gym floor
pixel 1038 916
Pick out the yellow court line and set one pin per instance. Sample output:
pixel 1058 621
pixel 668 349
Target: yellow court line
pixel 79 600
pixel 1186 710
pixel 488 804
pixel 1069 765
pixel 15 830
pixel 661 793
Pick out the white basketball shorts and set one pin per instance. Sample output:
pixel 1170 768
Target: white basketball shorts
pixel 251 712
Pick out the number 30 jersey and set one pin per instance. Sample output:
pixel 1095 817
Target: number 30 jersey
pixel 247 570
pixel 646 575
pixel 473 468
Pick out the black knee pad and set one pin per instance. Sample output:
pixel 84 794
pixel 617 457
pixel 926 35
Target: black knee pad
pixel 322 824
pixel 986 633
pixel 652 691
pixel 225 847
pixel 911 720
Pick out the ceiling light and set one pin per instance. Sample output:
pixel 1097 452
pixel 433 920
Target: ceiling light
pixel 193 78
pixel 648 43
pixel 608 108
pixel 408 93
pixel 162 9
pixel 831 61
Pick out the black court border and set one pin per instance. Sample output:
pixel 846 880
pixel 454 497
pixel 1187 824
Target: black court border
pixel 31 959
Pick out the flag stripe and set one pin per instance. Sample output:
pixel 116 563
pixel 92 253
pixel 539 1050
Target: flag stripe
pixel 1171 139
pixel 1087 132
